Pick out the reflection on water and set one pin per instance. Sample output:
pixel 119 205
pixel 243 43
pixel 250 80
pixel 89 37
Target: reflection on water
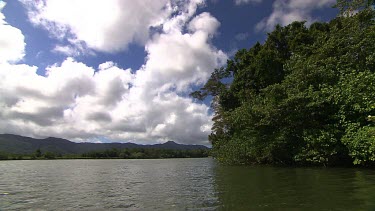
pixel 180 184
pixel 249 188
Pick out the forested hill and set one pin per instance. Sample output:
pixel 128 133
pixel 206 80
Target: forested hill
pixel 14 144
pixel 305 96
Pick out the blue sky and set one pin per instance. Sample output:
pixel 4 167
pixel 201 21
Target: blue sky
pixel 121 70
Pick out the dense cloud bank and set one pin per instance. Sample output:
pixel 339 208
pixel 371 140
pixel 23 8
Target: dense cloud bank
pixel 85 103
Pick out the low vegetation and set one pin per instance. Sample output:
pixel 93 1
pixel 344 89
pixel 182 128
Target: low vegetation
pixel 134 153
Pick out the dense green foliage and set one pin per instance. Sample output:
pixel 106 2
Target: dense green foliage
pixel 38 154
pixel 303 97
pixel 137 153
pixel 133 153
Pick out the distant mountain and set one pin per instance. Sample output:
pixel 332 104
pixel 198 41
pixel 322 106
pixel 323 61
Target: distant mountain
pixel 174 145
pixel 16 144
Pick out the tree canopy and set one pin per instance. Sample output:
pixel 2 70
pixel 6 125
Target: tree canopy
pixel 303 97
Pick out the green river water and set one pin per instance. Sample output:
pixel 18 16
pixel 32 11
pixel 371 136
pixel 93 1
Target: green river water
pixel 180 184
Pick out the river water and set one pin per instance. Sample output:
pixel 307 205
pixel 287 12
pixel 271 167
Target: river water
pixel 179 184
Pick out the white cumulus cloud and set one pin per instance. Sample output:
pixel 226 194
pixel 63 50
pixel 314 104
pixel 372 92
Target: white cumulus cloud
pixel 103 25
pixel 205 23
pixel 66 50
pixel 83 103
pixel 241 2
pixel 285 12
pixel 12 45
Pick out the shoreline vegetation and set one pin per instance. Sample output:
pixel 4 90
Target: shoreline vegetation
pixel 13 147
pixel 306 96
pixel 135 153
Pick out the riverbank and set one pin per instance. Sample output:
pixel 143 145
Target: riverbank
pixel 136 153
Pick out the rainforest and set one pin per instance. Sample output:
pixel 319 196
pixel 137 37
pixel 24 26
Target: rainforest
pixel 305 96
